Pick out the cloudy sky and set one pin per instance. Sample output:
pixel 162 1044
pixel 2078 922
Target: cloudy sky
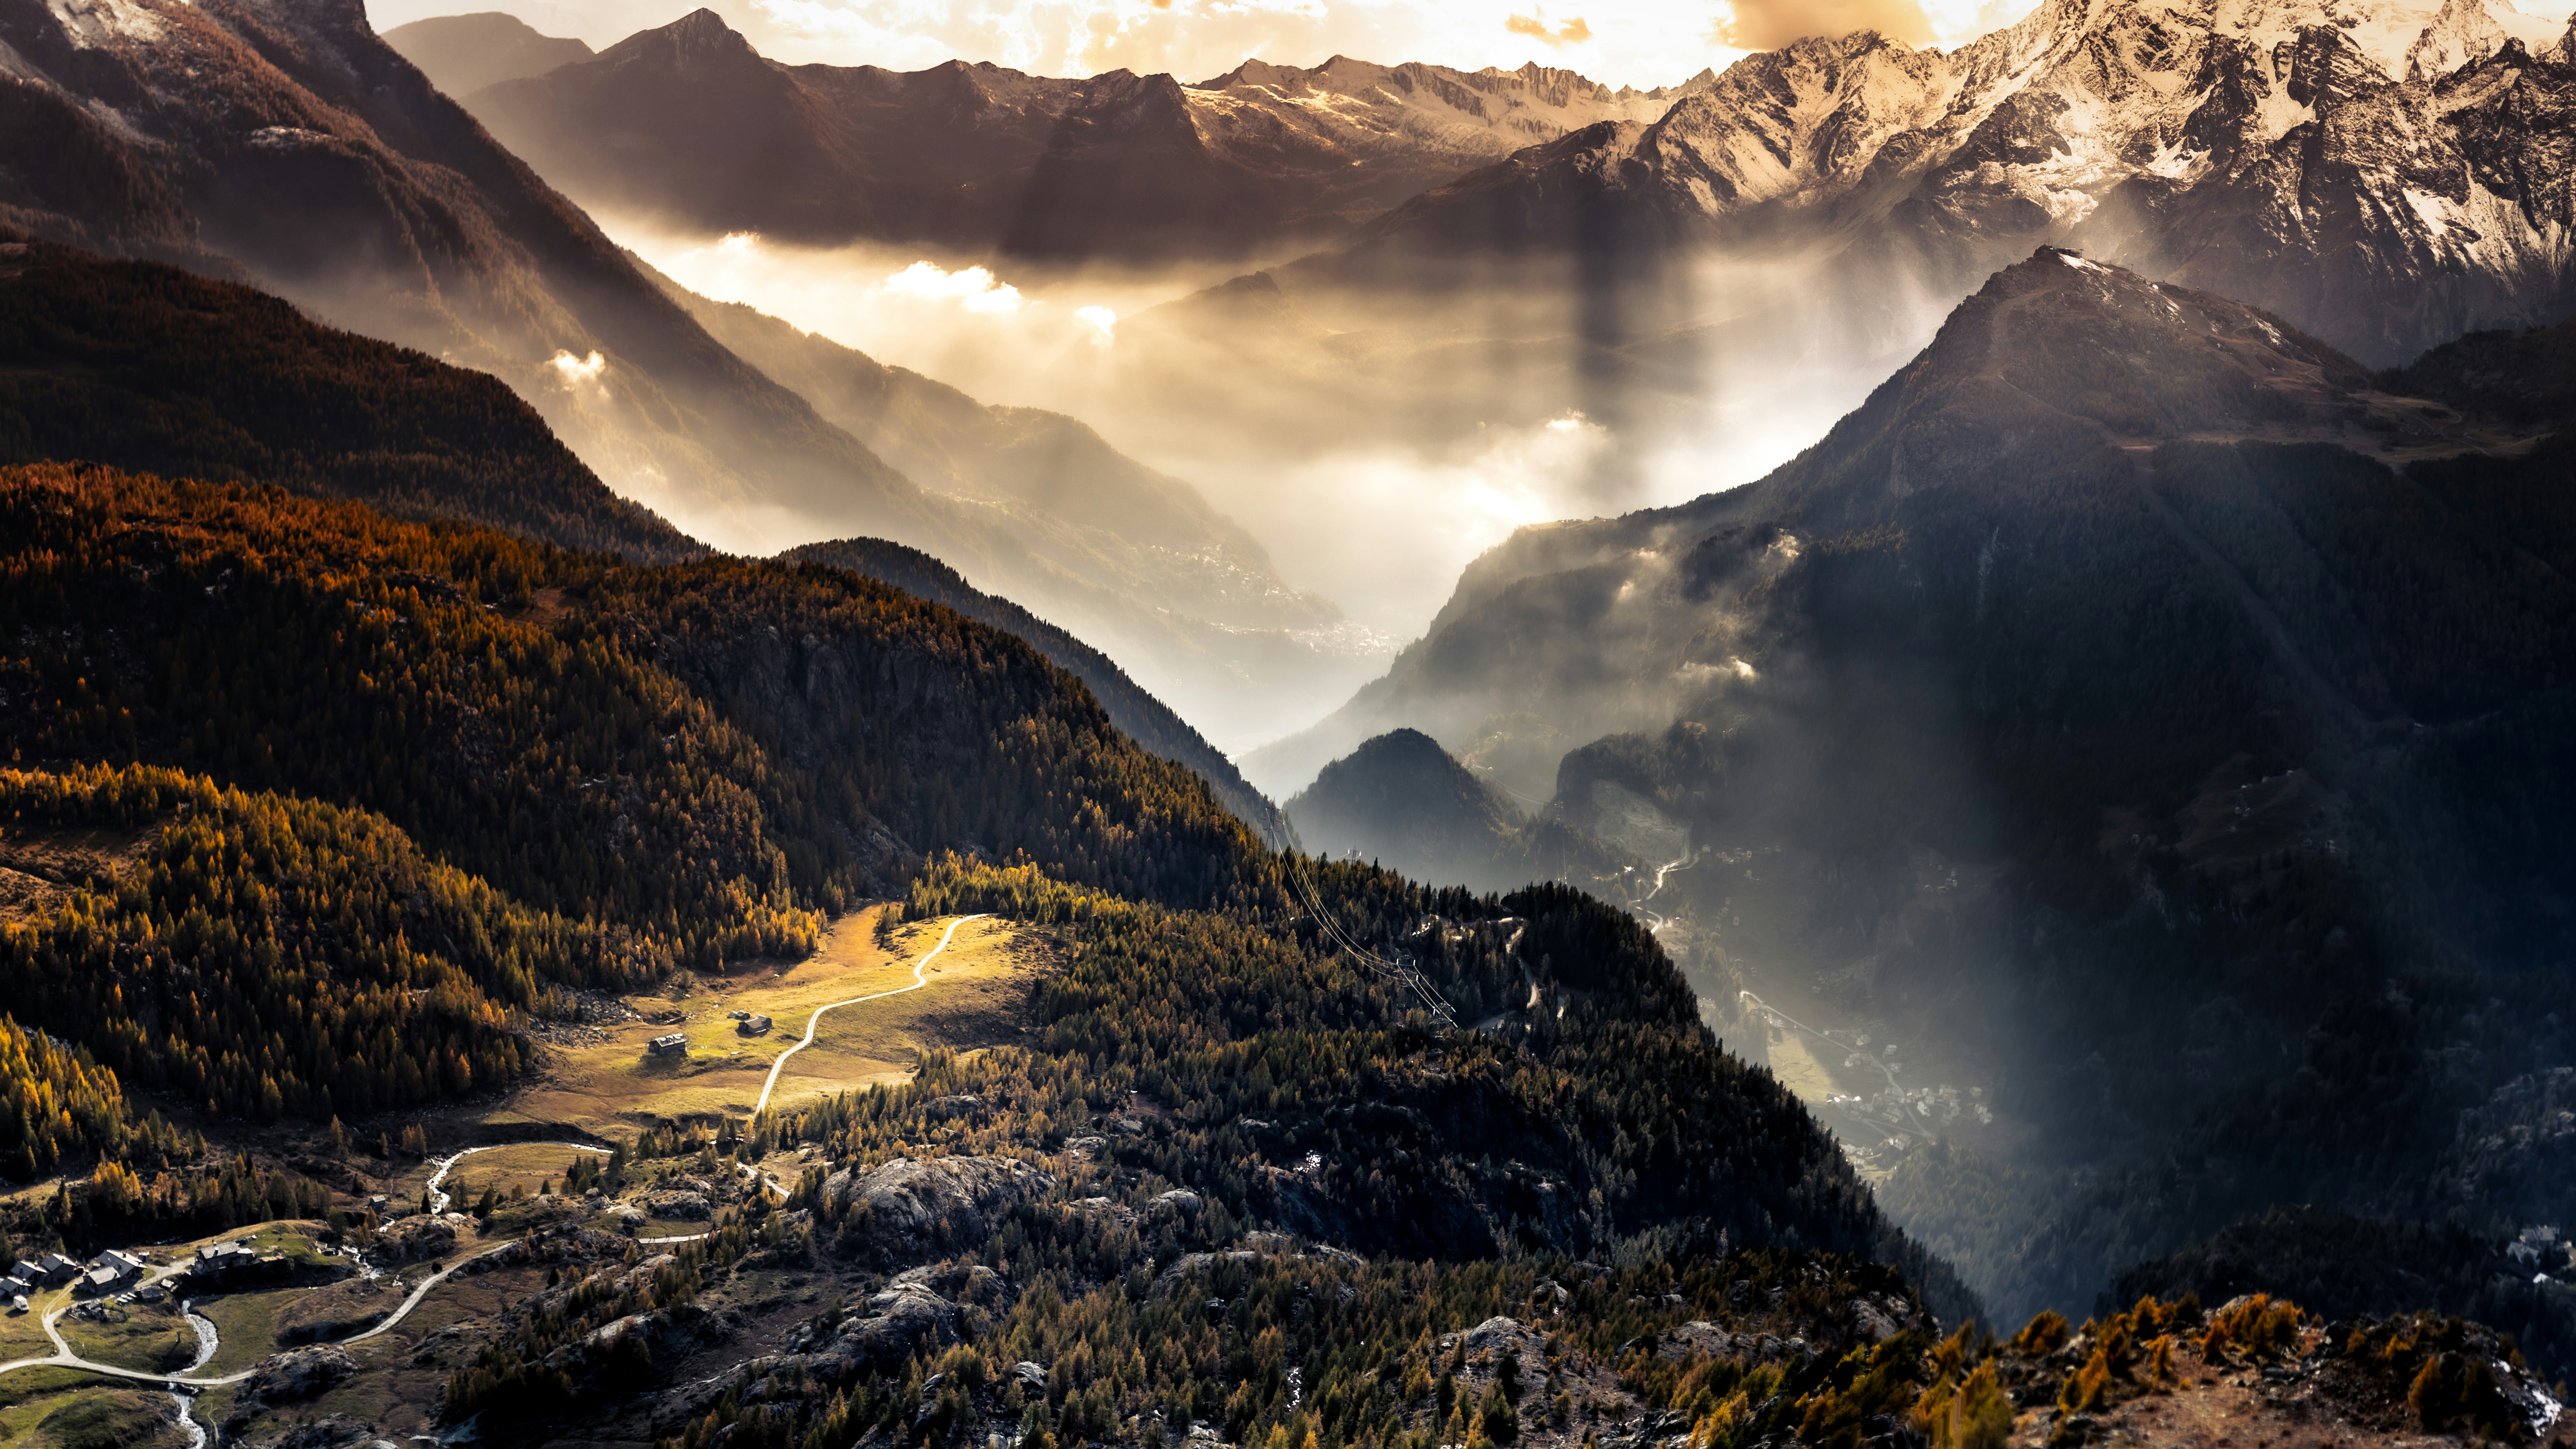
pixel 1622 42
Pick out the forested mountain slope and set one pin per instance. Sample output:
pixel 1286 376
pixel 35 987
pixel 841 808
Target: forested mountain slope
pixel 561 771
pixel 146 367
pixel 2140 702
pixel 143 366
pixel 1142 717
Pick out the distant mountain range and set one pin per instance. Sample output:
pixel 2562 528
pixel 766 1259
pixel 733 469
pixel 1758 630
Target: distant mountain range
pixel 2385 173
pixel 2136 696
pixel 689 124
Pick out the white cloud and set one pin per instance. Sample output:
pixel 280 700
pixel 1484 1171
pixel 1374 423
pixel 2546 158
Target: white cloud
pixel 1102 321
pixel 1386 533
pixel 573 371
pixel 973 288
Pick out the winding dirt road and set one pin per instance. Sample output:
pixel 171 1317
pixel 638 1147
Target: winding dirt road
pixel 814 1020
pixel 63 1357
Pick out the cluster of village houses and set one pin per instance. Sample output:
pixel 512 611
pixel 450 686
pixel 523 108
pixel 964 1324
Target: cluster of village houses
pixel 112 1272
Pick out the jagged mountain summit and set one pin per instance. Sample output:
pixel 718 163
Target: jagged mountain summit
pixel 2385 173
pixel 690 124
pixel 2121 699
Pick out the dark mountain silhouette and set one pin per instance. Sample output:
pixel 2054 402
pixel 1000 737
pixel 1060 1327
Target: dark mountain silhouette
pixel 2127 695
pixel 462 54
pixel 146 367
pixel 1402 801
pixel 2526 378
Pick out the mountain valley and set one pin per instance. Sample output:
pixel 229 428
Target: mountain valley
pixel 700 753
pixel 1874 663
pixel 276 127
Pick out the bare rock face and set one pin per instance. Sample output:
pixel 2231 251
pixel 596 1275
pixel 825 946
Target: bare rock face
pixel 911 1206
pixel 298 1374
pixel 688 1207
pixel 417 1239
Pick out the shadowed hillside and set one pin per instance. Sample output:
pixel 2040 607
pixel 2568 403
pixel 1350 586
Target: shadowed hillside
pixel 145 367
pixel 1400 800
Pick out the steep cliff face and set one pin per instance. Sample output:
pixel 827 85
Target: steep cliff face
pixel 2386 174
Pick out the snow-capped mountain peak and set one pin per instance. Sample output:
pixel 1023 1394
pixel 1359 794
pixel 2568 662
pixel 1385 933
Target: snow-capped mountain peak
pixel 2388 173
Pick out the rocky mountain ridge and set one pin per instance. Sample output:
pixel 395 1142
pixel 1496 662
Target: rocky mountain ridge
pixel 690 124
pixel 2385 173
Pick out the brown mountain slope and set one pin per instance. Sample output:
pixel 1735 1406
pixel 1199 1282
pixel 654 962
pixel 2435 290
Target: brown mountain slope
pixel 687 122
pixel 289 145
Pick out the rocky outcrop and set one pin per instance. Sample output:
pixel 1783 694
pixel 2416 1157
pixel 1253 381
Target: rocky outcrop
pixel 922 1310
pixel 687 1207
pixel 919 1311
pixel 907 1207
pixel 296 1375
pixel 419 1239
pixel 329 1314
